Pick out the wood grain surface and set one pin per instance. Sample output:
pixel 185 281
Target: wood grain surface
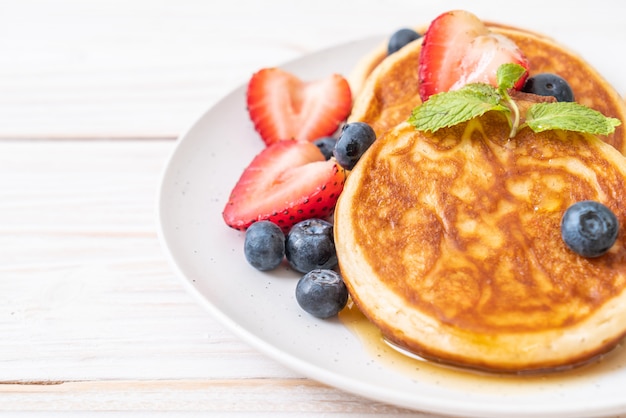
pixel 93 95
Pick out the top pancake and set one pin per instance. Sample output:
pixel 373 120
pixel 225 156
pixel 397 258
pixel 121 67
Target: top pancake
pixel 450 243
pixel 386 88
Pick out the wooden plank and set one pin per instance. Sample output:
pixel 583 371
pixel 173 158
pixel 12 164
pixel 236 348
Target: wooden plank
pixel 139 68
pixel 263 397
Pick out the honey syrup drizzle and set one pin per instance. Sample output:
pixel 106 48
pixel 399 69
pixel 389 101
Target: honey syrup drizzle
pixel 418 368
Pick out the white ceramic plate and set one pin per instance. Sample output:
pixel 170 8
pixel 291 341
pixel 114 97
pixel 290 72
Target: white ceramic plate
pixel 261 308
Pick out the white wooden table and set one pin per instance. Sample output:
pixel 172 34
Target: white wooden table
pixel 92 97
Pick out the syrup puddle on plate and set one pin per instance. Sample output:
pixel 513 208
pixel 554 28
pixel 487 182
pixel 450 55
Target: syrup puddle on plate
pixel 417 368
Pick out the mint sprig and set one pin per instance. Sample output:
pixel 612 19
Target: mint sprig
pixel 507 75
pixel 448 109
pixel 570 117
pixel 473 100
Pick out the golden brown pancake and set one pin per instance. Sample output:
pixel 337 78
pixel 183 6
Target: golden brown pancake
pixel 387 88
pixel 449 242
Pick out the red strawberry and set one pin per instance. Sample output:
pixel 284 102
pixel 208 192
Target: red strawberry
pixel 287 182
pixel 282 106
pixel 458 49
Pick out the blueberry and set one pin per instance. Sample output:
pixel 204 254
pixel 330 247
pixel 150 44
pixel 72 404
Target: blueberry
pixel 355 139
pixel 548 84
pixel 326 144
pixel 310 245
pixel 401 38
pixel 589 228
pixel 322 293
pixel 264 245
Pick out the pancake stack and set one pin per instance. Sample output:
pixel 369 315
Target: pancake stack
pixel 450 242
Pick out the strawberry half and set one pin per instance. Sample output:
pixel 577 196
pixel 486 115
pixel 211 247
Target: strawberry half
pixel 282 106
pixel 287 182
pixel 459 49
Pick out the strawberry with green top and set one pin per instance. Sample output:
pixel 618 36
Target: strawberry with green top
pixel 287 182
pixel 282 106
pixel 458 49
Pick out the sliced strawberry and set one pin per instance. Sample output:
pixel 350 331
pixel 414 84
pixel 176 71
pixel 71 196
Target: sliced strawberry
pixel 458 49
pixel 287 182
pixel 282 106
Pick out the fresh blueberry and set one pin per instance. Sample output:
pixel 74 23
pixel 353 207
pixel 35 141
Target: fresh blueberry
pixel 326 144
pixel 548 84
pixel 310 245
pixel 400 38
pixel 589 228
pixel 355 139
pixel 264 245
pixel 322 293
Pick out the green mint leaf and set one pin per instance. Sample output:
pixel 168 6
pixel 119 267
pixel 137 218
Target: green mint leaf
pixel 507 75
pixel 450 108
pixel 569 116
